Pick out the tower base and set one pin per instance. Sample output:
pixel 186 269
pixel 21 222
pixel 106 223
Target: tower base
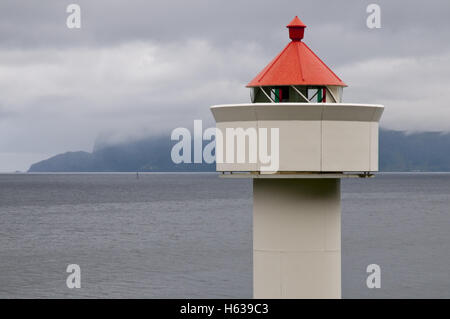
pixel 296 238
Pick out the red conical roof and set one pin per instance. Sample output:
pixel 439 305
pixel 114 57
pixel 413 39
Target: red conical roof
pixel 296 65
pixel 296 22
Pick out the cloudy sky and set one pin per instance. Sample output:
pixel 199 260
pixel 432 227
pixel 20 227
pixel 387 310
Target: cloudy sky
pixel 143 67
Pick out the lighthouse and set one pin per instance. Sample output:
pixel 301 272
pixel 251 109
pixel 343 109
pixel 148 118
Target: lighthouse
pixel 319 141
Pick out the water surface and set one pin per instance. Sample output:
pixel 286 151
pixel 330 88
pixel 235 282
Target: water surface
pixel 189 235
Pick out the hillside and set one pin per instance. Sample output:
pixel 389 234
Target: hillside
pixel 398 152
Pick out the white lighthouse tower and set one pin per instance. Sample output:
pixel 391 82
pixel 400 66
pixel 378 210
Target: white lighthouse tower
pixel 297 207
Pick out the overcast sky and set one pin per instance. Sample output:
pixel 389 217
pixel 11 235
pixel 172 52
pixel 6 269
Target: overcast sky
pixel 143 67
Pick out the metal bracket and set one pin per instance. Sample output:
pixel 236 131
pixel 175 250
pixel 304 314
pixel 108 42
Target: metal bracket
pixel 300 93
pixel 270 99
pixel 332 95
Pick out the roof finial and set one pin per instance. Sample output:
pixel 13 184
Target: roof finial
pixel 296 29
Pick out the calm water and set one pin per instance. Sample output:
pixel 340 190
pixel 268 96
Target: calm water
pixel 189 235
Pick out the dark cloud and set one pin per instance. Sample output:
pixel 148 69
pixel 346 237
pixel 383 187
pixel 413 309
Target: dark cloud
pixel 409 27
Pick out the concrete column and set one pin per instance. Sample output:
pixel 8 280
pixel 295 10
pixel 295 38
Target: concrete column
pixel 296 238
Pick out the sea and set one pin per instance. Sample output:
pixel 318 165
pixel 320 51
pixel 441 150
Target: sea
pixel 164 235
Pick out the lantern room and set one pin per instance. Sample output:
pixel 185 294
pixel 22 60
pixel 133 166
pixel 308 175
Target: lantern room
pixel 296 74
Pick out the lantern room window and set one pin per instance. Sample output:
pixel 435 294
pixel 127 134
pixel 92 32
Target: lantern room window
pixel 317 94
pixel 280 94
